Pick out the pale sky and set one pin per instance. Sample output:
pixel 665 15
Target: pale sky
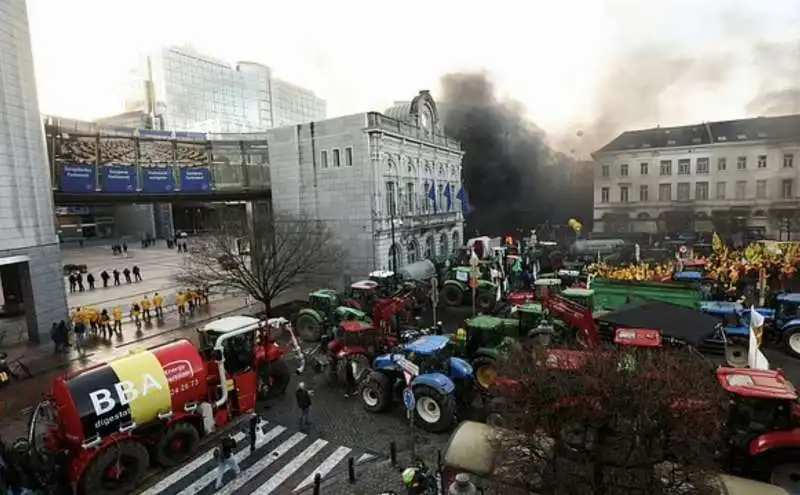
pixel 362 55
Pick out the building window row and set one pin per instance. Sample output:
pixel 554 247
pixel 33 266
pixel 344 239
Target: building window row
pixel 701 191
pixel 702 166
pixel 335 157
pixel 405 198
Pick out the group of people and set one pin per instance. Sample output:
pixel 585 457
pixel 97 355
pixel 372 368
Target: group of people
pixel 76 279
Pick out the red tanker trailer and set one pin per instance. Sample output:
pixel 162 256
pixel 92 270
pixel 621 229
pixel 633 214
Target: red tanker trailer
pixel 113 420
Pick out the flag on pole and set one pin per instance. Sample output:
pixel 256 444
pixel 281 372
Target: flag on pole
pixel 432 195
pixel 448 196
pixel 756 358
pixel 462 197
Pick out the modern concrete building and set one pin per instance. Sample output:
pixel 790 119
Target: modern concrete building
pixel 30 260
pixel 723 176
pixel 195 92
pixel 372 177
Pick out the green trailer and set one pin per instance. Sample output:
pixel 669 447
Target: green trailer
pixel 613 294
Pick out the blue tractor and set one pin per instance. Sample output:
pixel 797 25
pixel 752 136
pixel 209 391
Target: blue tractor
pixel 441 384
pixel 781 324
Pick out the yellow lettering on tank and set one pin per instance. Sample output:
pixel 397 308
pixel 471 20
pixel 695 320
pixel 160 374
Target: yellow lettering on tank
pixel 142 385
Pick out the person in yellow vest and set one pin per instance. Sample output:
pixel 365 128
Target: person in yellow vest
pixel 146 308
pixel 158 303
pixel 117 315
pixel 76 316
pixel 181 303
pixel 94 319
pixel 136 310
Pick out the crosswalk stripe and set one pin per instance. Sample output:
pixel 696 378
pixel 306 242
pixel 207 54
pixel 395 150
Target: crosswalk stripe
pixel 326 467
pixel 278 478
pixel 261 465
pixel 211 475
pixel 187 469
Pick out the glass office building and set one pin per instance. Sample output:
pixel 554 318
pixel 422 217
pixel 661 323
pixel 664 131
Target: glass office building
pixel 30 258
pixel 199 93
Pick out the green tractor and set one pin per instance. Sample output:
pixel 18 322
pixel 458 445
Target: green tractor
pixel 325 310
pixel 490 337
pixel 456 291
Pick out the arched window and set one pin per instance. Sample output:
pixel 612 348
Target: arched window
pixel 412 251
pixel 429 247
pixel 444 248
pixel 456 240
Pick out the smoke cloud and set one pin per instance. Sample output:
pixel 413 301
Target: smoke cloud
pixel 505 155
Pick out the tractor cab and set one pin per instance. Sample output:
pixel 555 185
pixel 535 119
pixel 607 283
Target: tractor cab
pixel 552 285
pixel 355 333
pixel 788 308
pixel 386 280
pixel 238 351
pixel 324 301
pixel 530 316
pixel 429 352
pixel 363 294
pixel 584 297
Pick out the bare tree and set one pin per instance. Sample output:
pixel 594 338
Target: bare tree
pixel 264 257
pixel 621 422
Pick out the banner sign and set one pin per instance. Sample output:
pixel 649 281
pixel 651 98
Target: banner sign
pixel 77 178
pixel 158 180
pixel 195 179
pixel 119 179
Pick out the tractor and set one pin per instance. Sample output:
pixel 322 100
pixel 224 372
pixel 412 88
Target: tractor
pixel 441 385
pixel 362 295
pixel 489 338
pixel 456 290
pixel 324 312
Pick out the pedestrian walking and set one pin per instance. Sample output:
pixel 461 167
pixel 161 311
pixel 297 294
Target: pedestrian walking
pixel 116 276
pixel 105 276
pixel 137 273
pixel 226 460
pixel 349 379
pixel 73 282
pixel 105 324
pixel 80 336
pixel 90 281
pixel 125 247
pixel 127 273
pixel 146 308
pixel 303 397
pixel 79 280
pixel 158 303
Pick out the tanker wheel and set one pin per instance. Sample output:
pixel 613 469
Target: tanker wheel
pixel 273 380
pixel 177 444
pixel 118 469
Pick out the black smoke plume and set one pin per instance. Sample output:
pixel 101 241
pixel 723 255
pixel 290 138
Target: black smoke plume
pixel 505 156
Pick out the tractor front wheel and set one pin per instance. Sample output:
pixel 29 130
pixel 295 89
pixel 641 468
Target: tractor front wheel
pixel 376 392
pixel 309 328
pixel 484 301
pixel 736 354
pixel 782 469
pixel 791 340
pixel 485 372
pixel 451 295
pixel 435 412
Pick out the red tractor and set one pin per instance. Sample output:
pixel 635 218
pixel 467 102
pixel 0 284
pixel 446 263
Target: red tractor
pixel 358 342
pixel 105 425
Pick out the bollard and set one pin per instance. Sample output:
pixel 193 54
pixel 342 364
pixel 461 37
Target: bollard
pixel 351 469
pixel 317 483
pixel 439 461
pixel 393 453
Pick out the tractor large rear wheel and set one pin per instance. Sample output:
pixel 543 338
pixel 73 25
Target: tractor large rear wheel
pixel 375 392
pixel 309 328
pixel 273 380
pixel 484 301
pixel 485 372
pixel 116 470
pixel 451 295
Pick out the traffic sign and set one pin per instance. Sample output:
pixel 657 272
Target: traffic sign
pixel 408 398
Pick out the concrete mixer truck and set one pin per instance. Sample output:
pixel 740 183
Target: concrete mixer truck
pixel 107 424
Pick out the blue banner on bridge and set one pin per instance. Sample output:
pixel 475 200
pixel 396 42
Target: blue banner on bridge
pixel 158 180
pixel 77 178
pixel 195 179
pixel 119 179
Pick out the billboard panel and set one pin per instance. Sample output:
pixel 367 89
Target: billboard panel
pixel 118 162
pixel 192 160
pixel 75 160
pixel 156 159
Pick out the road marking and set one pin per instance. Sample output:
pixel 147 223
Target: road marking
pixel 259 466
pixel 186 470
pixel 211 475
pixel 326 467
pixel 286 471
pixel 364 458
